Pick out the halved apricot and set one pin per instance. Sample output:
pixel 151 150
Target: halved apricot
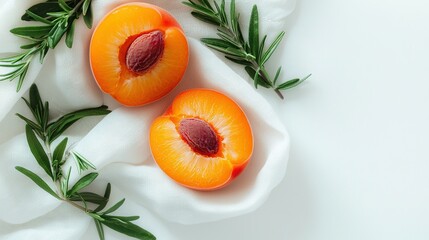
pixel 138 53
pixel 203 141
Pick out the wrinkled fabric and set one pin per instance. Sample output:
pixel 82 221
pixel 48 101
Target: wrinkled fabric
pixel 118 143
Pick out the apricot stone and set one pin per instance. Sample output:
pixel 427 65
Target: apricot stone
pixel 145 51
pixel 199 135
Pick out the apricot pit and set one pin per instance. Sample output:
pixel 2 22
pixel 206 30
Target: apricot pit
pixel 199 135
pixel 145 51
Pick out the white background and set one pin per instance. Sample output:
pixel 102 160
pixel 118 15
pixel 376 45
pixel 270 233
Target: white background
pixel 359 163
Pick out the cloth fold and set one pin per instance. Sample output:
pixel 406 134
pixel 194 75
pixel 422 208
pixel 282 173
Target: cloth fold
pixel 118 143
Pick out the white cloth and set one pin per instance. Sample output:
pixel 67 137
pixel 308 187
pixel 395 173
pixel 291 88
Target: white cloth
pixel 118 144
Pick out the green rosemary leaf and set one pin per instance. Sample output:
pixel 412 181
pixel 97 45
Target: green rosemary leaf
pixel 43 53
pixel 88 197
pixel 256 77
pixel 41 9
pixel 58 15
pixel 35 99
pixel 82 200
pixel 96 216
pixel 64 6
pixel 70 35
pixel 206 3
pixel 55 36
pixel 28 105
pixel 36 127
pixel 45 116
pixel 100 229
pixel 38 151
pixel 292 83
pixel 37 180
pixel 107 196
pixel 36 106
pixel 254 32
pixel 29 46
pixel 11 59
pixel 60 150
pixel 277 76
pixel 32 31
pixel 261 49
pixel 28 55
pixel 233 17
pixel 88 18
pixel 232 51
pixel 219 13
pixel 114 207
pixel 55 129
pixel 14 74
pixel 240 61
pixel 128 229
pixel 241 38
pixel 229 39
pixel 85 6
pixel 289 84
pixel 11 73
pixel 272 47
pixel 38 18
pixel 21 76
pixel 82 163
pixel 65 183
pixel 82 183
pixel 222 12
pixel 12 65
pixel 123 218
pixel 218 43
pixel 206 18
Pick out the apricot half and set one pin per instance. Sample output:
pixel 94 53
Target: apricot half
pixel 138 53
pixel 203 141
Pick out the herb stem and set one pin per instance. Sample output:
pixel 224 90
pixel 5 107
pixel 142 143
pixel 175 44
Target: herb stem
pixel 75 205
pixel 80 3
pixel 279 94
pixel 50 157
pixel 57 181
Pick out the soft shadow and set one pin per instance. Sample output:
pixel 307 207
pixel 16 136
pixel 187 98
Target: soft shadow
pixel 287 214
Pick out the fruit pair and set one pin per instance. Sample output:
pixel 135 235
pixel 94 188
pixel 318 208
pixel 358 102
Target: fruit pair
pixel 138 54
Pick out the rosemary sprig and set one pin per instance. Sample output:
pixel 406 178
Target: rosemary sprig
pixel 41 132
pixel 57 18
pixel 252 53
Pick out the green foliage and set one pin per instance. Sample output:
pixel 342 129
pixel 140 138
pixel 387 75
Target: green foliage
pixel 41 132
pixel 252 53
pixel 58 18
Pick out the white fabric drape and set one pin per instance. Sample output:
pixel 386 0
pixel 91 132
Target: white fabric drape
pixel 118 143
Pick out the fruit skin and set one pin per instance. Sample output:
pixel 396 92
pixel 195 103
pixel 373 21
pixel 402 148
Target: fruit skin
pixel 109 47
pixel 189 168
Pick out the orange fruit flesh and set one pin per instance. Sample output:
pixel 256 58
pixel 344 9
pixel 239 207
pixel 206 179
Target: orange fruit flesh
pixel 109 45
pixel 176 158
